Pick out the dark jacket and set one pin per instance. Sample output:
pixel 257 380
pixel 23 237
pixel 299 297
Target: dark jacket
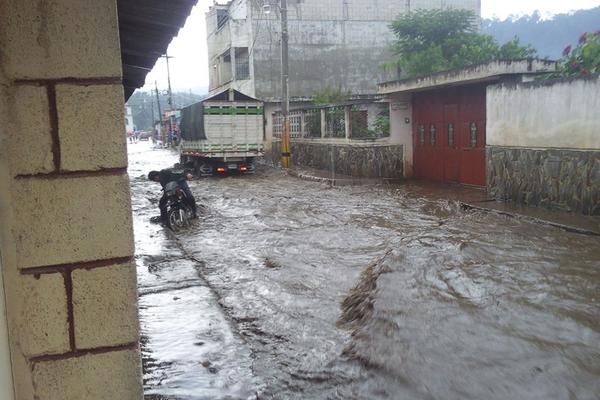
pixel 170 174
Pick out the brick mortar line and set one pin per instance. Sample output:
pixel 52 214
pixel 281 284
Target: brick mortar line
pixel 83 353
pixel 84 265
pixel 68 278
pixel 54 129
pixel 111 80
pixel 75 174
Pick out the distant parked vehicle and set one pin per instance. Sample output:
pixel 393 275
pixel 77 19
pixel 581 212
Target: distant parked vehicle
pixel 145 135
pixel 223 134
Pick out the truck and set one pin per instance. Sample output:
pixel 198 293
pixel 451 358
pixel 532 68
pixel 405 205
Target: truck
pixel 222 134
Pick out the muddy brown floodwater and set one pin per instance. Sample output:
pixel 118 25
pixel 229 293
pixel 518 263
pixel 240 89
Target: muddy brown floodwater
pixel 286 289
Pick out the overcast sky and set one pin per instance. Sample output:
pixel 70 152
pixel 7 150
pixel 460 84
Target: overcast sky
pixel 189 68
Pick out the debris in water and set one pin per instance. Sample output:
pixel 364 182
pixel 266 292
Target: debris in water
pixel 271 263
pixel 357 307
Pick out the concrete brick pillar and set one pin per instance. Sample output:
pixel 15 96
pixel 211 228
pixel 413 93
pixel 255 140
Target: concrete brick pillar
pixel 348 122
pixel 66 237
pixel 302 124
pixel 323 123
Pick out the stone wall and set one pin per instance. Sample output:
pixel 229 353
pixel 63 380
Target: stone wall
pixel 543 142
pixel 361 161
pixel 560 179
pixel 66 237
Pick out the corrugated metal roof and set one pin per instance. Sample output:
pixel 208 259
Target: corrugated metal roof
pixel 146 28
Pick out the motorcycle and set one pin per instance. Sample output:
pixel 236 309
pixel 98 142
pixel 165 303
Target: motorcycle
pixel 179 214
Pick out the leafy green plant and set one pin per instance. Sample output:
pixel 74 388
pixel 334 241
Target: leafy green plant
pixel 430 41
pixel 582 60
pixel 382 125
pixel 330 95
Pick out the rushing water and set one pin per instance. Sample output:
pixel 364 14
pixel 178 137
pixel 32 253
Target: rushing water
pixel 286 289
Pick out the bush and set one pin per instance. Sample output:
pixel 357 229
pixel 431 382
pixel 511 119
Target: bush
pixel 583 59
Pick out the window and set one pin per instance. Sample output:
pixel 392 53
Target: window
pixel 222 18
pixel 242 64
pixel 421 135
pixel 450 135
pixel 473 130
pixel 432 135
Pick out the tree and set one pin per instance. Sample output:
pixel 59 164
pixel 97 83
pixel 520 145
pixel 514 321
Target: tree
pixel 430 41
pixel 548 35
pixel 583 59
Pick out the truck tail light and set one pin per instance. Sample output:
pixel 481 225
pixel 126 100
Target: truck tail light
pixel 243 168
pixel 221 169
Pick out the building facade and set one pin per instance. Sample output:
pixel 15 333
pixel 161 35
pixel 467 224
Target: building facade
pixel 533 142
pixel 441 119
pixel 129 126
pixel 335 43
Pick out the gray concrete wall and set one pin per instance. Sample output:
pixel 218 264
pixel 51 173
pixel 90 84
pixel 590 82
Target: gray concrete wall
pixel 336 43
pixel 544 144
pixel 360 161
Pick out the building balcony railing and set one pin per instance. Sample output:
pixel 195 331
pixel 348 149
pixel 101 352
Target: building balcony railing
pixel 368 121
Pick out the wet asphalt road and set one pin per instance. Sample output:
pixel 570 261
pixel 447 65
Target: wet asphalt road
pixel 286 289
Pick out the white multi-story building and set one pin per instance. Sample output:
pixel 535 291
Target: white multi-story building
pixel 129 126
pixel 335 43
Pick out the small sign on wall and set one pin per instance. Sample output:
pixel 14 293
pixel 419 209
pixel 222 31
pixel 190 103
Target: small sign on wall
pixel 400 106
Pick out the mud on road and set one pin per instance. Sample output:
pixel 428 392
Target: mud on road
pixel 286 289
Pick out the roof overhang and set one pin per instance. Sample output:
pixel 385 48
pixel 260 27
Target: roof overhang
pixel 146 28
pixel 490 72
pixel 231 95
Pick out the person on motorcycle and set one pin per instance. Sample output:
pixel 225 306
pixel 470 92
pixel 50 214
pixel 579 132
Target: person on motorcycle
pixel 171 175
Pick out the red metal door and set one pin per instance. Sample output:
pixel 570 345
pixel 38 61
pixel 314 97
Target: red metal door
pixel 419 150
pixel 473 137
pixel 449 135
pixel 427 138
pixel 451 151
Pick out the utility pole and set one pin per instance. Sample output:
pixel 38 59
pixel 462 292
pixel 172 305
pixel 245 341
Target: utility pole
pixel 285 94
pixel 158 102
pixel 166 56
pixel 152 109
pixel 160 127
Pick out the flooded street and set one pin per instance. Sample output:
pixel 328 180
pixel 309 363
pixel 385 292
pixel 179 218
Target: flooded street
pixel 287 289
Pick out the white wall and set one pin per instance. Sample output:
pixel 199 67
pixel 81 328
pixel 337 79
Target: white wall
pixel 400 131
pixel 564 114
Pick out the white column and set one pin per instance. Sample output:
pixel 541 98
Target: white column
pixel 347 121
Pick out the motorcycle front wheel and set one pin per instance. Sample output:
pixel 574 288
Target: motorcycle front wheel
pixel 177 219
